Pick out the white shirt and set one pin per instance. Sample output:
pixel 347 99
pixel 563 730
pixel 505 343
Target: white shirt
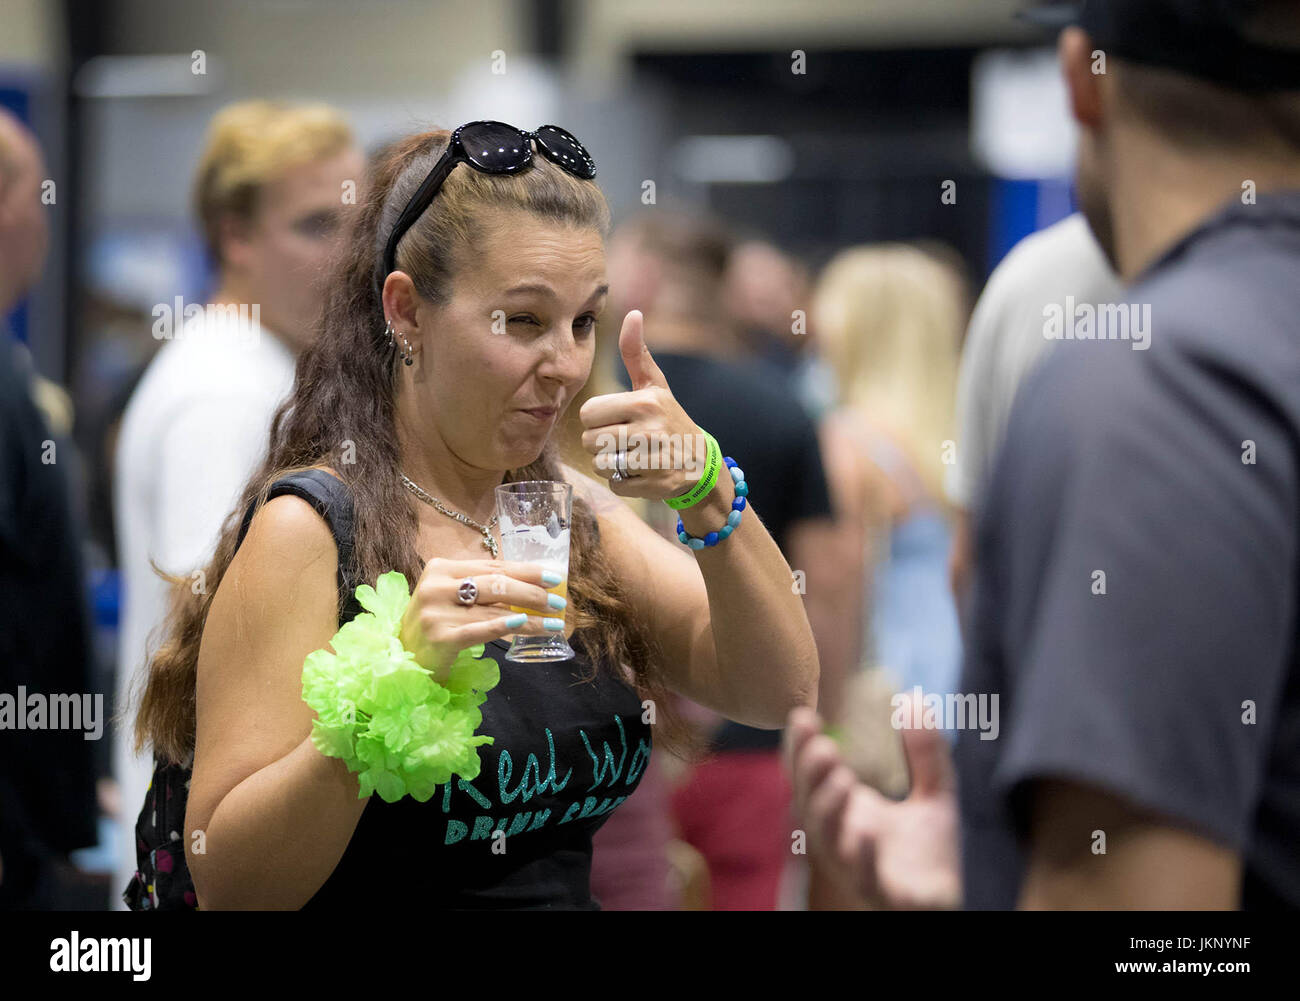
pixel 1007 336
pixel 196 428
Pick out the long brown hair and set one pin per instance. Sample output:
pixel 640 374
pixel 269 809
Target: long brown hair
pixel 341 414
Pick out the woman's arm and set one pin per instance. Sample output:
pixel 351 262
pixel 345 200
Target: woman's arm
pixel 722 614
pixel 275 813
pixel 733 626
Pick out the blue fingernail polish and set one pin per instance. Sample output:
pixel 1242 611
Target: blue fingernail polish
pixel 555 625
pixel 555 601
pixel 550 578
pixel 515 621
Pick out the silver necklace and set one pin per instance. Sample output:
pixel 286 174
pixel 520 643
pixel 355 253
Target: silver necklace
pixel 489 543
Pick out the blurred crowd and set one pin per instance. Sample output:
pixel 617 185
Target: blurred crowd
pixel 867 395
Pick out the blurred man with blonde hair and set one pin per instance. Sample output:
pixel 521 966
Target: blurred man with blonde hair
pixel 273 185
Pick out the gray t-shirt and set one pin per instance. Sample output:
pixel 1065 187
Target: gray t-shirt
pixel 1172 680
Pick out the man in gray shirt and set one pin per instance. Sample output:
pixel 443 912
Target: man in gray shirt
pixel 1135 599
pixel 1052 268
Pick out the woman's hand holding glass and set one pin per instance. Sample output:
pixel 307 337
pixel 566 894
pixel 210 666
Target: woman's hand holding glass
pixel 437 625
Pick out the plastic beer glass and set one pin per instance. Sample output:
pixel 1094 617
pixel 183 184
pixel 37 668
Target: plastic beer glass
pixel 534 518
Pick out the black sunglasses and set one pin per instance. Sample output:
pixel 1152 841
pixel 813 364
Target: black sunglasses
pixel 493 148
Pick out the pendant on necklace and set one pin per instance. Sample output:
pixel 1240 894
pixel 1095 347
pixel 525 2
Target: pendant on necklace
pixel 490 544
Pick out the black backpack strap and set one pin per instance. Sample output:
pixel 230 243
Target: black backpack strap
pixel 333 502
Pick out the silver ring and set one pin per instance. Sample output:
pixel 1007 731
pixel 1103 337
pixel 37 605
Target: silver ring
pixel 467 593
pixel 621 460
pixel 617 477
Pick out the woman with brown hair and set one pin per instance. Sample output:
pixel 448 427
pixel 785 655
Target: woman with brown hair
pixel 458 329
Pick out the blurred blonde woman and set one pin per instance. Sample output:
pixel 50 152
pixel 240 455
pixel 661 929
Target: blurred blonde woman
pixel 889 320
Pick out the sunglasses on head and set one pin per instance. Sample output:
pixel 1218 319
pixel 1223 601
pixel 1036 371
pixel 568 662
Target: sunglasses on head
pixel 493 148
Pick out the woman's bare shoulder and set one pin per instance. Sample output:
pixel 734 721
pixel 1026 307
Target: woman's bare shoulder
pixel 288 544
pixel 287 520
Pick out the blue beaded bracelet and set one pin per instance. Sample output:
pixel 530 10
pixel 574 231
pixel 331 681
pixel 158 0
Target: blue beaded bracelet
pixel 733 519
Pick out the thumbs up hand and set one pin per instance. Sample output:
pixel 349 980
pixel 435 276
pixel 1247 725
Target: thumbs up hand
pixel 641 367
pixel 662 448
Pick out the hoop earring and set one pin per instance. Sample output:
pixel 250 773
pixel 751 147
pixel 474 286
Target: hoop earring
pixel 407 356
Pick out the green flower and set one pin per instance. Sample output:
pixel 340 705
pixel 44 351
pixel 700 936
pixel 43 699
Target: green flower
pixel 333 741
pixel 387 600
pixel 383 714
pixel 469 672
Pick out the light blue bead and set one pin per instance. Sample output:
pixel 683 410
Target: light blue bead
pixel 725 530
pixel 737 474
pixel 733 519
pixel 684 537
pixel 742 489
pixel 696 543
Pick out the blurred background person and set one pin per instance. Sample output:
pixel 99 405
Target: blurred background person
pixel 1150 734
pixel 1127 451
pixel 766 292
pixel 271 187
pixel 1006 337
pixel 47 776
pixel 889 319
pixel 26 234
pixel 670 264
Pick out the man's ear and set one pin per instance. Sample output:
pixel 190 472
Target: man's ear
pixel 234 238
pixel 9 193
pixel 1083 75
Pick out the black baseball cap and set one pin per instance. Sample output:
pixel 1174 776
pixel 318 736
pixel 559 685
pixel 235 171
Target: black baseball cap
pixel 1202 38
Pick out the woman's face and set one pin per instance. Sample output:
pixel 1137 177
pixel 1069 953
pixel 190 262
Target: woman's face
pixel 505 357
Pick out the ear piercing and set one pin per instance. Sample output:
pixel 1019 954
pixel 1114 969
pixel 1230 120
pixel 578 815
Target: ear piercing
pixel 406 355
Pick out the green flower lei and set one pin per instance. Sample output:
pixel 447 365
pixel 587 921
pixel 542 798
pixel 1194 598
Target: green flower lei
pixel 384 714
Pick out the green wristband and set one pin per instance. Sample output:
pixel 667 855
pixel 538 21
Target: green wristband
pixel 697 493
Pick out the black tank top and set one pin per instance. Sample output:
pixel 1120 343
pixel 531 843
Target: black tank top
pixel 566 754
